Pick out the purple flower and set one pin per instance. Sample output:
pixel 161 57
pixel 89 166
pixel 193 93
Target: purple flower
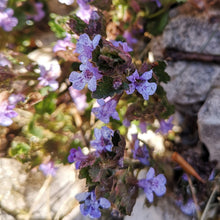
pixel 48 77
pixel 84 3
pixel 90 75
pixel 153 184
pixel 90 206
pixel 103 140
pixel 67 2
pixel 84 14
pixel 122 45
pixel 85 46
pixel 141 153
pixel 7 106
pixel 141 84
pixel 77 157
pixel 165 126
pixel 212 175
pixel 126 122
pixel 127 35
pixel 189 208
pixel 64 44
pixel 143 126
pixel 4 61
pixel 157 2
pixel 78 98
pixel 39 12
pixel 6 113
pixel 106 110
pixel 7 21
pixel 48 169
pixel 3 4
pixel 15 98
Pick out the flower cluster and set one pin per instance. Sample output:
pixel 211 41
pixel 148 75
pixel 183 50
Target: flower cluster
pixel 48 169
pixel 188 208
pixel 106 110
pixel 153 184
pixel 85 46
pixel 6 109
pixel 77 157
pixel 122 45
pixel 103 140
pixel 3 4
pixel 141 84
pixel 90 73
pixel 64 44
pixel 39 12
pixel 4 61
pixel 48 77
pixel 7 21
pixel 141 153
pixel 165 126
pixel 91 206
pixel 78 98
pixel 85 10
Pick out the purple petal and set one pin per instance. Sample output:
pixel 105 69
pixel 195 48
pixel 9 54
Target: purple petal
pixel 150 196
pixel 95 213
pixel 133 77
pixel 131 88
pixel 96 40
pixel 158 185
pixel 101 101
pixel 85 210
pixel 150 174
pixel 104 203
pixel 92 84
pixel 5 121
pixel 115 115
pixel 78 80
pixel 82 196
pixel 11 114
pixel 147 75
pixel 146 89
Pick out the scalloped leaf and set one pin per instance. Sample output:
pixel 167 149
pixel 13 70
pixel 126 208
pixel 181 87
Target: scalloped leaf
pixel 159 70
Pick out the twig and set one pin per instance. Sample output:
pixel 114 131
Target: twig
pixel 191 56
pixel 194 197
pixel 208 203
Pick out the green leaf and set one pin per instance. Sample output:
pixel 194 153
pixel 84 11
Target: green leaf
pixel 104 88
pixel 19 148
pixel 77 25
pixel 56 25
pixel 48 105
pixel 19 14
pixel 84 173
pixel 94 173
pixel 156 25
pixel 159 70
pixel 34 129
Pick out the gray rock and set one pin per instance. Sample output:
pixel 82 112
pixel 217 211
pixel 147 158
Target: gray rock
pixel 190 82
pixel 192 34
pixel 209 124
pixel 165 210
